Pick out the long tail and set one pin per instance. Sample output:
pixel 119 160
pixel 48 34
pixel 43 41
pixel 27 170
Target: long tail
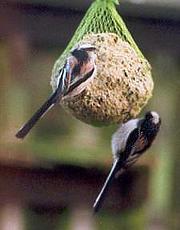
pixel 62 90
pixel 37 115
pixel 56 96
pixel 99 200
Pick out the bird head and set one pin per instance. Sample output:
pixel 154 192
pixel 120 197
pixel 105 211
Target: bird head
pixel 153 117
pixel 150 124
pixel 84 52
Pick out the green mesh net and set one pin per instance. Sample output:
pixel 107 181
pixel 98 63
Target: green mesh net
pixel 123 83
pixel 101 17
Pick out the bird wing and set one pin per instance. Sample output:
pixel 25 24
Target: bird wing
pixel 136 145
pixel 141 143
pixel 129 156
pixel 77 82
pixel 121 136
pixel 130 148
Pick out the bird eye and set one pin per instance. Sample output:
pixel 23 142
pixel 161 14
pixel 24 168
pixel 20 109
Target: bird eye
pixel 149 115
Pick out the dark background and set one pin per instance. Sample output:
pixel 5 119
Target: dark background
pixel 50 180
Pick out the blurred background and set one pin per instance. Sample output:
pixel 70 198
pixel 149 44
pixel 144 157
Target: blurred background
pixel 51 179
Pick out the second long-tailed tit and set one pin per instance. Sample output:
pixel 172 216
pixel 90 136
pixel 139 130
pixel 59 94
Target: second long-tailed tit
pixel 129 142
pixel 78 69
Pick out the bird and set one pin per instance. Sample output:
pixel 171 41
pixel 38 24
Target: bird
pixel 128 143
pixel 78 70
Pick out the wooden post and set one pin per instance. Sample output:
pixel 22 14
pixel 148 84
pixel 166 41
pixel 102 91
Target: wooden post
pixel 175 187
pixel 11 216
pixel 164 101
pixel 82 218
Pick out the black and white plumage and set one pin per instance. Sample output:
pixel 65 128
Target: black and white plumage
pixel 77 71
pixel 129 142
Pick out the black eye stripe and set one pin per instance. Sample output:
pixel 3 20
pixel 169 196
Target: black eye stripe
pixel 89 49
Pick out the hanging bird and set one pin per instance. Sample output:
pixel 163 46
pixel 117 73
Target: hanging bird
pixel 78 69
pixel 129 142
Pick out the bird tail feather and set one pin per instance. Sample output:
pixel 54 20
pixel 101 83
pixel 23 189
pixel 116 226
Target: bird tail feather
pixel 24 130
pixel 99 200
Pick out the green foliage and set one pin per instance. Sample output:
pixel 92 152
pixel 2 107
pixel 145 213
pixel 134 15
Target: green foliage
pixel 130 219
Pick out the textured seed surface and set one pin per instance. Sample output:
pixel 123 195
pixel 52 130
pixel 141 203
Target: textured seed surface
pixel 121 87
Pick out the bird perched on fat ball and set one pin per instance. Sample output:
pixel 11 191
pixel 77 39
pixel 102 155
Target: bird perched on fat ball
pixel 129 142
pixel 78 70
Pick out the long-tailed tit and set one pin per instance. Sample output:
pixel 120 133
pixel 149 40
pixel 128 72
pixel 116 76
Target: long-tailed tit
pixel 129 142
pixel 78 69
